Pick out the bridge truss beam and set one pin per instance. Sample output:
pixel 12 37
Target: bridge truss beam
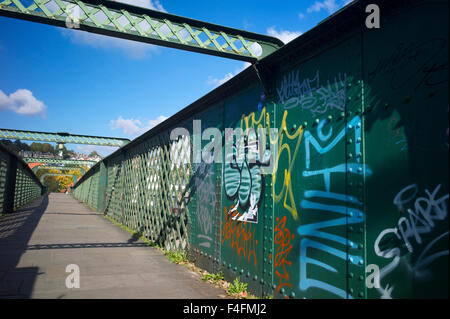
pixel 66 168
pixel 144 25
pixel 57 174
pixel 62 137
pixel 58 161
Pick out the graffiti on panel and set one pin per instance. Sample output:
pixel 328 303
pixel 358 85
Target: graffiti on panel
pixel 414 63
pixel 243 183
pixel 344 205
pixel 420 216
pixel 286 193
pixel 283 245
pixel 309 94
pixel 206 203
pixel 239 175
pixel 247 160
pixel 239 236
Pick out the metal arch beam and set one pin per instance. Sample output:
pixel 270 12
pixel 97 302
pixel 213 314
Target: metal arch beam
pixel 44 160
pixel 62 137
pixel 144 25
pixel 42 167
pixel 56 174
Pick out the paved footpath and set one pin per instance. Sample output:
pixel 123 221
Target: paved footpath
pixel 39 241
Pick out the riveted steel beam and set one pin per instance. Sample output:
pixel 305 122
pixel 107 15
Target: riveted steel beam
pixel 144 25
pixel 57 161
pixel 62 137
pixel 66 168
pixel 57 174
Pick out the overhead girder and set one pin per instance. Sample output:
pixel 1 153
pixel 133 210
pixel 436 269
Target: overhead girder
pixel 45 160
pixel 74 168
pixel 62 137
pixel 57 174
pixel 144 25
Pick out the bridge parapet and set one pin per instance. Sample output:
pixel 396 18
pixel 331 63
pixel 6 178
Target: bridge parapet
pixel 18 184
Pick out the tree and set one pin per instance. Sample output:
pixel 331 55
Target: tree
pixel 93 154
pixel 21 146
pixel 15 146
pixel 43 147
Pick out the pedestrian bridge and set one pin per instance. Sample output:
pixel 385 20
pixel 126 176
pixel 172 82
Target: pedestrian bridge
pixel 321 171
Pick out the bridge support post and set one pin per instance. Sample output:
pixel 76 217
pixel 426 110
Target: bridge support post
pixel 10 185
pixel 102 182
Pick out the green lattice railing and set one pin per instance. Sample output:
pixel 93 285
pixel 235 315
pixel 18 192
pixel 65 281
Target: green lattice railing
pixel 18 184
pixel 145 190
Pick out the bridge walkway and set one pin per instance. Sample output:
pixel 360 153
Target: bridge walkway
pixel 39 241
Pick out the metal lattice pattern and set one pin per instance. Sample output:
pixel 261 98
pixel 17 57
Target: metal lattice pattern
pixel 114 190
pixel 57 174
pixel 58 161
pixel 67 168
pixel 146 191
pixel 3 170
pixel 18 184
pixel 62 138
pixel 27 189
pixel 121 20
pixel 88 191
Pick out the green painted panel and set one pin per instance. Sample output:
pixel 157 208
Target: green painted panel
pixel 205 207
pixel 243 193
pixel 317 113
pixel 406 129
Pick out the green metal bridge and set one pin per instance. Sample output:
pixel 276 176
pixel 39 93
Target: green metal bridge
pixel 337 186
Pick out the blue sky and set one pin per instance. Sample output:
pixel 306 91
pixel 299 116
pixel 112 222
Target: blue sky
pixel 54 79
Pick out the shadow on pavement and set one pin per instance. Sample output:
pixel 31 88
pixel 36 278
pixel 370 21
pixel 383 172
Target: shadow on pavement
pixel 15 232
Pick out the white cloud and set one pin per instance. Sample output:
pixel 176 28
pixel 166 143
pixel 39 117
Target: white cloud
pixel 301 15
pixel 330 6
pixel 133 49
pixel 284 35
pixel 154 5
pixel 88 149
pixel 219 81
pixel 22 102
pixel 128 126
pixel 134 127
pixel 153 123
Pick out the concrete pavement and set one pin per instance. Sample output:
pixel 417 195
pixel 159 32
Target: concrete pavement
pixel 39 241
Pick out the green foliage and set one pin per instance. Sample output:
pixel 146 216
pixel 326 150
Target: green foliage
pixel 43 147
pixel 237 287
pixel 176 257
pixel 215 278
pixel 15 146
